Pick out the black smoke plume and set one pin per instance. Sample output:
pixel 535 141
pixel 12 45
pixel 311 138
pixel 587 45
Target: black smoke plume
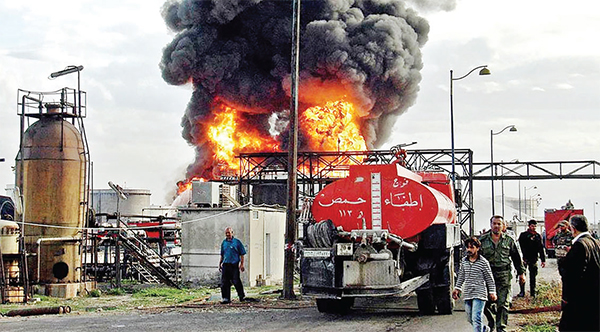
pixel 239 51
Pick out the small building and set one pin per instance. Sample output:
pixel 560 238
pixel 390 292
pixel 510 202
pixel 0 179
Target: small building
pixel 260 228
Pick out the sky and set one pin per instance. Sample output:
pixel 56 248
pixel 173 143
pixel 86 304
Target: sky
pixel 543 57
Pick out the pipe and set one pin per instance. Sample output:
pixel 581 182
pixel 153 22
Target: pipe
pixel 412 247
pixel 37 311
pixel 49 239
pixel 380 256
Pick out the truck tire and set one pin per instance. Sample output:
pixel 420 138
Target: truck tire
pixel 335 306
pixel 444 301
pixel 443 294
pixel 425 301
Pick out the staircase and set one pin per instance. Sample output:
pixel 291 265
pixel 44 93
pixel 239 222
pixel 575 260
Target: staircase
pixel 150 264
pixel 145 275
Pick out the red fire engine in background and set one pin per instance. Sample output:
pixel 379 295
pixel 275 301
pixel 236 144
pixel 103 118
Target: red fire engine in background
pixel 551 218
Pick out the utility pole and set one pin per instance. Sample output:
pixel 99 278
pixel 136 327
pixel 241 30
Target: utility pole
pixel 290 234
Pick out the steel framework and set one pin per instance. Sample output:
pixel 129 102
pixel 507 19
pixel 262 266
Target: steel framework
pixel 539 170
pixel 317 169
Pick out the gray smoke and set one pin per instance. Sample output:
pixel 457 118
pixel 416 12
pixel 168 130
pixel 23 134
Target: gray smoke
pixel 239 51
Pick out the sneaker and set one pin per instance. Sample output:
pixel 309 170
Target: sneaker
pixel 225 301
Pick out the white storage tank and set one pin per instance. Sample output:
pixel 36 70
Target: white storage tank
pixel 105 201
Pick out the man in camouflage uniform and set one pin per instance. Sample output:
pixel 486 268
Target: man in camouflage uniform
pixel 501 251
pixel 562 239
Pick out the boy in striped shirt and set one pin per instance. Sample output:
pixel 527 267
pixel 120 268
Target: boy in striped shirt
pixel 476 283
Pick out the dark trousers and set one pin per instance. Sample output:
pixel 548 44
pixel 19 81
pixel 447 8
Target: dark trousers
pixel 497 312
pixel 531 265
pixel 230 274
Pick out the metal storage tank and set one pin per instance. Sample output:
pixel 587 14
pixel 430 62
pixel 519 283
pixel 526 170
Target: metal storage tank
pixel 105 201
pixel 51 172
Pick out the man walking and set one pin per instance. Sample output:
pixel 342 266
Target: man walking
pixel 532 248
pixel 476 282
pixel 500 250
pixel 580 272
pixel 230 265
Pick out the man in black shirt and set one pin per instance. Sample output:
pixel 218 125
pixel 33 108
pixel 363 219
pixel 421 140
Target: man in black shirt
pixel 531 247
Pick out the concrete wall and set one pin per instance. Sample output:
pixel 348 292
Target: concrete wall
pixel 203 231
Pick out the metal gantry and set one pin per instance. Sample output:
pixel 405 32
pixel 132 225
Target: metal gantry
pixel 317 169
pixel 538 170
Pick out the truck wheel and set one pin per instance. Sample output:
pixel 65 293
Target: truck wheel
pixel 335 306
pixel 445 303
pixel 425 302
pixel 443 294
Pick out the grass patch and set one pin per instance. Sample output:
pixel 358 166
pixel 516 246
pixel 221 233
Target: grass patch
pixel 117 299
pixel 539 328
pixel 116 291
pixel 136 296
pixel 171 295
pixel 548 294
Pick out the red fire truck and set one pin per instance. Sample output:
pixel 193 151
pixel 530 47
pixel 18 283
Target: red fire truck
pixel 551 218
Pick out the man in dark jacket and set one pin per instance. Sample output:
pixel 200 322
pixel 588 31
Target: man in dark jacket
pixel 532 248
pixel 580 272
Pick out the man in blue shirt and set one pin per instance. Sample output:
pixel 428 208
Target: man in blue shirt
pixel 230 265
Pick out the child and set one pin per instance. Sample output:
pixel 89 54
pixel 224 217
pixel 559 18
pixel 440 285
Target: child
pixel 476 282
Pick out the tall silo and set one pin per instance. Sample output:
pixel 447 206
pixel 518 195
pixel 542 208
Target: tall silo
pixel 51 174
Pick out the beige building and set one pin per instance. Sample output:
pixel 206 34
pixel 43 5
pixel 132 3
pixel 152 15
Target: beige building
pixel 261 229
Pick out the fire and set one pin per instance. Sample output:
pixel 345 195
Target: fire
pixel 187 184
pixel 229 131
pixel 230 135
pixel 333 127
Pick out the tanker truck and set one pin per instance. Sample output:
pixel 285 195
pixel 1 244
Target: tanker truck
pixel 384 231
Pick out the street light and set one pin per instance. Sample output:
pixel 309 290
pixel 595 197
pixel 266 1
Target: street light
pixel 595 203
pixel 484 71
pixel 533 198
pixel 502 183
pixel 525 197
pixel 492 133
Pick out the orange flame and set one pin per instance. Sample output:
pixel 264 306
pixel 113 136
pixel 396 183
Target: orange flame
pixel 333 127
pixel 187 184
pixel 229 135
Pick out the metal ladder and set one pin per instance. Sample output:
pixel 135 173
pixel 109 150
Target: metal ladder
pixel 145 275
pixel 148 258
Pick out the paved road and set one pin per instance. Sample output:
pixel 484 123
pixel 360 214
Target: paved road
pixel 306 319
pixel 367 316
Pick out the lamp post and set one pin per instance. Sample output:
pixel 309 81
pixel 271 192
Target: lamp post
pixel 502 183
pixel 533 198
pixel 525 197
pixel 484 71
pixel 492 134
pixel 595 204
